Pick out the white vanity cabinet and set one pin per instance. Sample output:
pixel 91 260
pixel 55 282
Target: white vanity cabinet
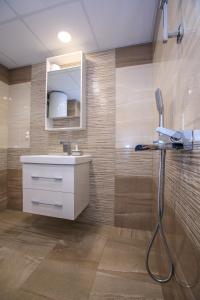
pixel 56 186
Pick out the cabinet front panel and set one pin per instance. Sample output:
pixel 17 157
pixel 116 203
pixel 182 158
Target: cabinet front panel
pixel 49 177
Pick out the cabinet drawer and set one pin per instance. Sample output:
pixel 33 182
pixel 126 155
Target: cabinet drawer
pixel 49 177
pixel 48 203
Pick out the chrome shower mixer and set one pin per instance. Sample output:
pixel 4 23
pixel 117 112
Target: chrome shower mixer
pixel 181 139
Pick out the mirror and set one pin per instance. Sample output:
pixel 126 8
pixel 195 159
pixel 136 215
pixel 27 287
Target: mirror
pixel 65 101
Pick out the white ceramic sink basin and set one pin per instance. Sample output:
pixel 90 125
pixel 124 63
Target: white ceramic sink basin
pixel 55 159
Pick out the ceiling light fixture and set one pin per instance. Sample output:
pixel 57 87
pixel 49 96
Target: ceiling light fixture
pixel 64 36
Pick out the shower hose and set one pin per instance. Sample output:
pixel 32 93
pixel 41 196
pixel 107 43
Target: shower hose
pixel 159 227
pixel 159 230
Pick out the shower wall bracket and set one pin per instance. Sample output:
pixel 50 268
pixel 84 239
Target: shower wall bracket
pixel 178 34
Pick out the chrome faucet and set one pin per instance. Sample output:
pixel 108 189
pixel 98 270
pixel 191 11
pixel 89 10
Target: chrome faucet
pixel 66 147
pixel 178 139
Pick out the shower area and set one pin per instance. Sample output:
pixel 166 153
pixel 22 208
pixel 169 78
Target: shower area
pixel 174 69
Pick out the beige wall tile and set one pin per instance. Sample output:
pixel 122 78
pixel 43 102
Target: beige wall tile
pixel 4 100
pixel 134 105
pixel 19 115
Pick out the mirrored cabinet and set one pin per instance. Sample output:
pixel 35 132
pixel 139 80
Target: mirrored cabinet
pixel 65 92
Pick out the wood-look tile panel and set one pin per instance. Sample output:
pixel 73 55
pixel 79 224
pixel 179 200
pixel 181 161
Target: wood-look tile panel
pixel 133 202
pixel 133 189
pixel 14 185
pixel 4 74
pixel 130 163
pixel 134 55
pixel 3 189
pixel 17 75
pixel 3 179
pixel 3 159
pixel 20 75
pixel 14 178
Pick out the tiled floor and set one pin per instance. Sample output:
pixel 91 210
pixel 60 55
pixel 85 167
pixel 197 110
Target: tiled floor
pixel 45 258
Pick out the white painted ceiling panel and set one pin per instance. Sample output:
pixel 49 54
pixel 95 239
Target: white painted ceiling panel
pixel 28 28
pixel 4 60
pixel 19 44
pixel 121 22
pixel 29 6
pixel 69 17
pixel 5 12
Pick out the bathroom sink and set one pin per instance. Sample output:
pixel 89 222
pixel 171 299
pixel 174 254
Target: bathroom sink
pixel 55 159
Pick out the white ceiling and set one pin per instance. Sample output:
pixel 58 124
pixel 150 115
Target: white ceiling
pixel 28 28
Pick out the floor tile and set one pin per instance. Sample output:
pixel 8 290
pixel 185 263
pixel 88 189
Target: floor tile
pixel 125 257
pixel 13 223
pixel 43 258
pixel 15 268
pixel 32 244
pixel 118 285
pixel 17 217
pixel 22 295
pixel 79 246
pixel 52 227
pixel 120 297
pixel 61 281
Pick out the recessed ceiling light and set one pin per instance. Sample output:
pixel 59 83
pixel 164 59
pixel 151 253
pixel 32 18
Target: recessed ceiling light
pixel 64 36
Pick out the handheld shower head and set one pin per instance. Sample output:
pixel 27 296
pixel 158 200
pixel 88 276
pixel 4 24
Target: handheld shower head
pixel 160 106
pixel 159 101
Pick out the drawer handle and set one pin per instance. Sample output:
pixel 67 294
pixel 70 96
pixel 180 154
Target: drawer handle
pixel 57 204
pixel 44 177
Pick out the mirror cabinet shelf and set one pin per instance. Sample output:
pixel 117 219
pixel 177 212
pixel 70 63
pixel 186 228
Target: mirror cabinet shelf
pixel 65 92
